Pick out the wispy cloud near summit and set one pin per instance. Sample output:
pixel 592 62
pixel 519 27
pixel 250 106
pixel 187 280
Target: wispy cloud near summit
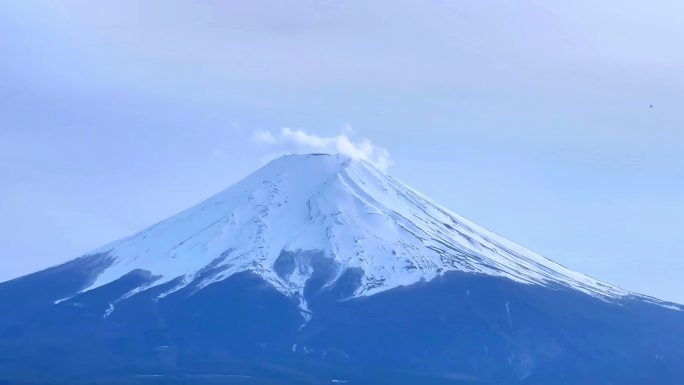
pixel 290 140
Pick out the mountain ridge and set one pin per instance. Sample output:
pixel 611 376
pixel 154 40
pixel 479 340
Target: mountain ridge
pixel 347 211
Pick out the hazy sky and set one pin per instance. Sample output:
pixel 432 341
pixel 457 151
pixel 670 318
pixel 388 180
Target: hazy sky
pixel 530 118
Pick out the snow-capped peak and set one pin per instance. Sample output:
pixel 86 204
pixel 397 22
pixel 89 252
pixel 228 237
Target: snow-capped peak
pixel 345 210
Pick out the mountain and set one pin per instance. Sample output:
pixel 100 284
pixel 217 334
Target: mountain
pixel 322 269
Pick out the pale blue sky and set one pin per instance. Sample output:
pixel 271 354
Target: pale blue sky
pixel 531 118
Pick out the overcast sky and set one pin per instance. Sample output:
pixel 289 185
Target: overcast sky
pixel 531 118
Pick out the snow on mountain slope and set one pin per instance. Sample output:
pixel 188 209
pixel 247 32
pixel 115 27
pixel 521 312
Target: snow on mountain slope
pixel 343 209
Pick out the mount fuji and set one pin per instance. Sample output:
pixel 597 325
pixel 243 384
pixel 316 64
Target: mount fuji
pixel 323 269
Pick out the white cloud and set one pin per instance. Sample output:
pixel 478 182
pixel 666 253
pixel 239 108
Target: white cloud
pixel 301 141
pixel 264 137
